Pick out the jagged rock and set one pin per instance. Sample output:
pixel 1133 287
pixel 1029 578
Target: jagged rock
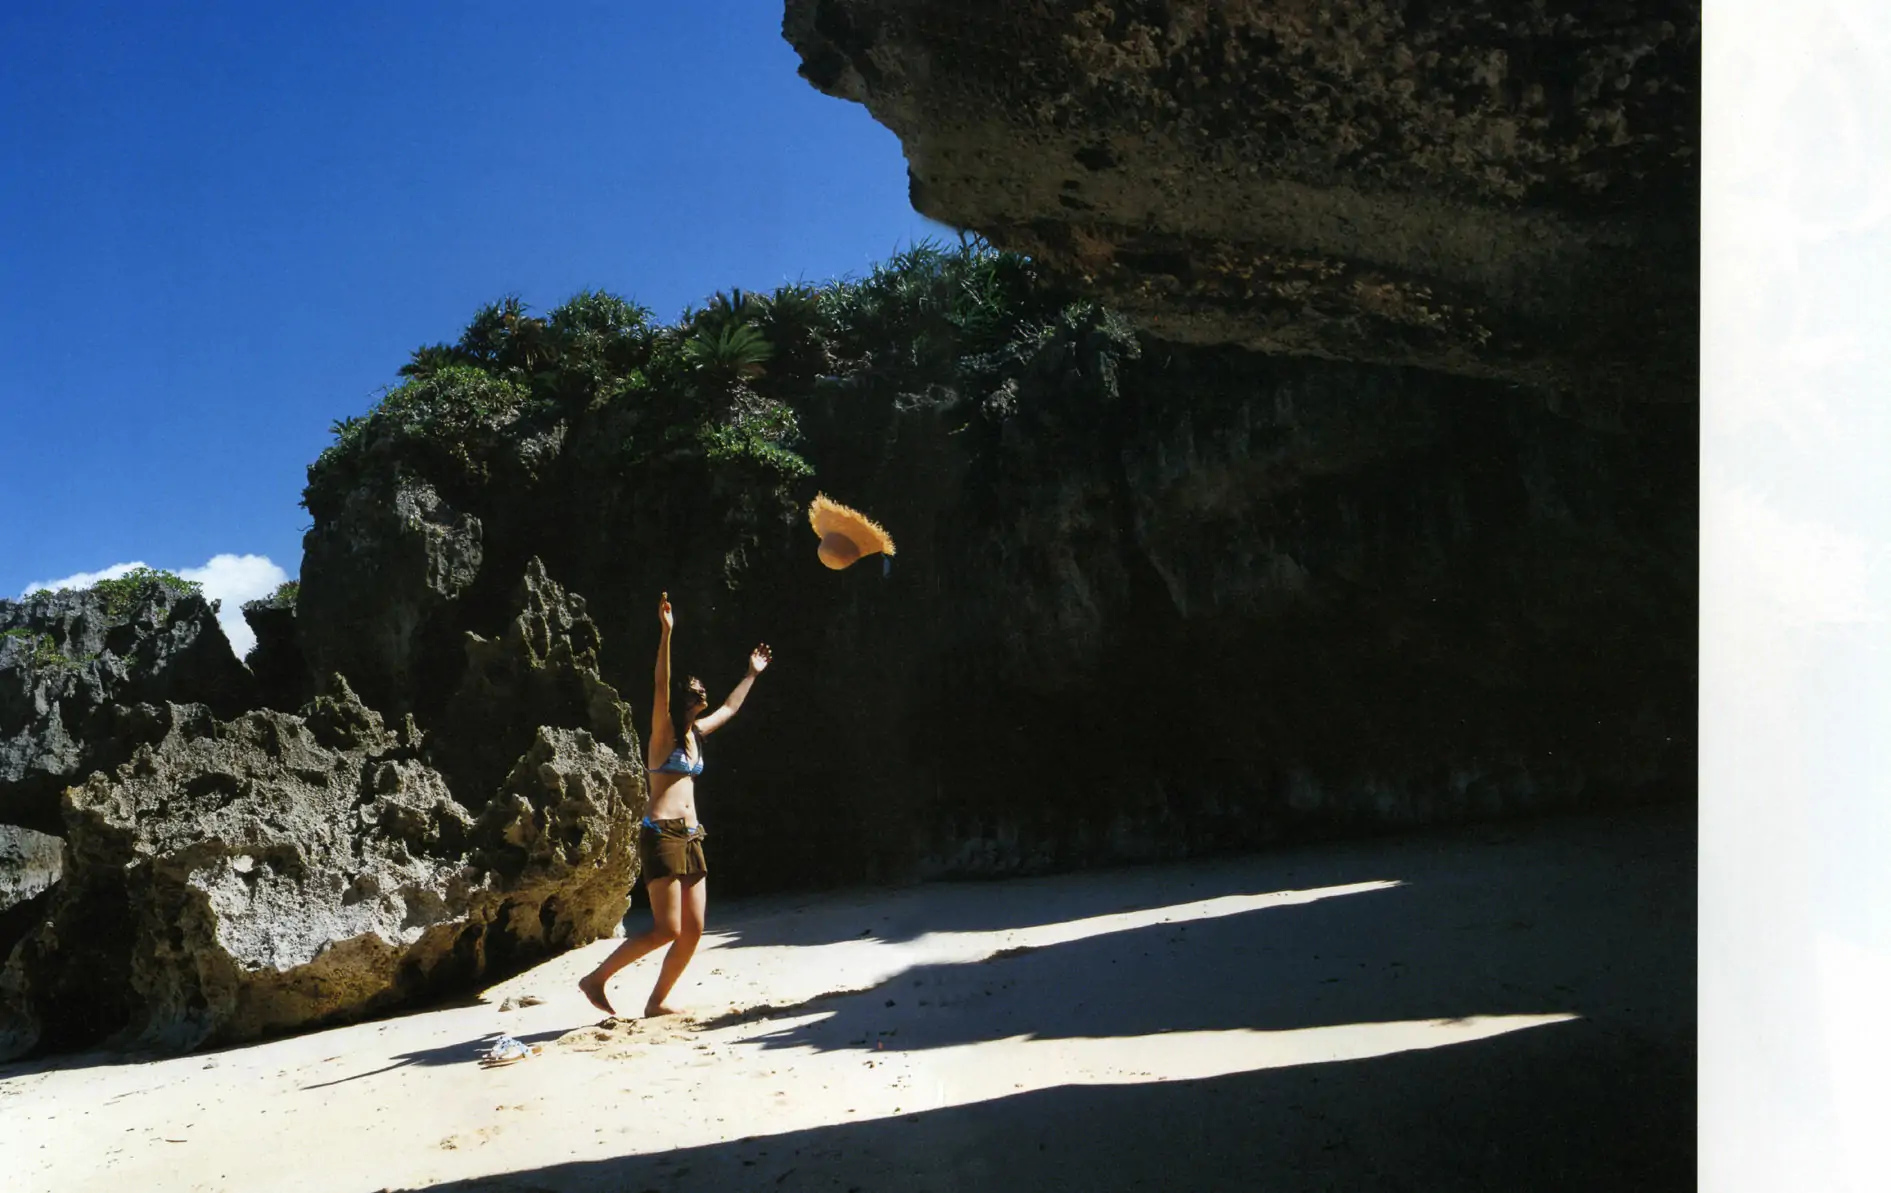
pixel 74 670
pixel 241 878
pixel 381 581
pixel 550 820
pixel 1499 188
pixel 542 669
pixel 283 679
pixel 30 862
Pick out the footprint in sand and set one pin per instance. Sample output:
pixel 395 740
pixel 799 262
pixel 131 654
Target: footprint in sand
pixel 611 1035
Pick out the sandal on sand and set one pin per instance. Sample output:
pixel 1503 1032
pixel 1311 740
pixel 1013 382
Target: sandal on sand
pixel 505 1050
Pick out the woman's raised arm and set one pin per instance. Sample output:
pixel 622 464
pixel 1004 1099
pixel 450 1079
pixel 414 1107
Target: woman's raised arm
pixel 759 659
pixel 661 732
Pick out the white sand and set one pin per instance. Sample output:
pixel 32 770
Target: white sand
pixel 1453 1010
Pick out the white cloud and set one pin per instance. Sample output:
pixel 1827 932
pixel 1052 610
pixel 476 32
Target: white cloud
pixel 234 579
pixel 83 579
pixel 231 579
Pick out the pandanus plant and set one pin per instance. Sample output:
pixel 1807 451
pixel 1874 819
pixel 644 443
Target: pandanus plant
pixel 503 338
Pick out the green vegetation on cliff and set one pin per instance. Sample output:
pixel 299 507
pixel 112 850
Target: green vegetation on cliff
pixel 46 652
pixel 725 385
pixel 121 596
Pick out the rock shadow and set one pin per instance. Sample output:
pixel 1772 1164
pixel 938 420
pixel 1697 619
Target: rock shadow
pixel 1559 1108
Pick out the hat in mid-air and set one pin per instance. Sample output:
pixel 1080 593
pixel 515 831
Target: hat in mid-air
pixel 845 534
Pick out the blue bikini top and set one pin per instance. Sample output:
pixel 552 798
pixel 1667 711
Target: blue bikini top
pixel 678 762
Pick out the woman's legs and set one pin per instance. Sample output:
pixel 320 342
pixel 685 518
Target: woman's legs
pixel 695 902
pixel 667 920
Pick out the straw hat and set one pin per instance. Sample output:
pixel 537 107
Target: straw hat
pixel 846 534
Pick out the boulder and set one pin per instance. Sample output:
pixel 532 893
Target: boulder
pixel 240 878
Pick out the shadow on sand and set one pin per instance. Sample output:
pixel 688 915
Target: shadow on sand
pixel 1595 921
pixel 899 914
pixel 447 1054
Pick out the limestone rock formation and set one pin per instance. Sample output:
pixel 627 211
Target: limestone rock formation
pixel 541 670
pixel 381 581
pixel 1501 188
pixel 30 863
pixel 283 679
pixel 272 872
pixel 74 669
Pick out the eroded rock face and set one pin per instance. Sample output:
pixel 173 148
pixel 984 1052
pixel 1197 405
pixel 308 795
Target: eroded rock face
pixel 381 583
pixel 283 679
pixel 80 681
pixel 542 669
pixel 272 872
pixel 30 863
pixel 1497 188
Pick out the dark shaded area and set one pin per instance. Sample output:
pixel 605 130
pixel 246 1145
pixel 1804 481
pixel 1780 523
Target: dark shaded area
pixel 1433 857
pixel 1602 1102
pixel 1543 1109
pixel 1168 605
pixel 283 679
pixel 1398 953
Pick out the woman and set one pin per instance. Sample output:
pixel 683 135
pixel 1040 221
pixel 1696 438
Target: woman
pixel 670 839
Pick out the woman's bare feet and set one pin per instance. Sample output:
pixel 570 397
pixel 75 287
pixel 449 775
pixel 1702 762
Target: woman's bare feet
pixel 594 990
pixel 654 1009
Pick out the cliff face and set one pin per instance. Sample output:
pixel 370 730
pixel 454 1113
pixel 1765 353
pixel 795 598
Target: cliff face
pixel 1505 189
pixel 1150 601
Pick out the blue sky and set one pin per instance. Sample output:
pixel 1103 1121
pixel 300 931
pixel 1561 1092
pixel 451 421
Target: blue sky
pixel 226 225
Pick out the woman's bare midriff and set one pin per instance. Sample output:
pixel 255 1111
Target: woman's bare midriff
pixel 672 797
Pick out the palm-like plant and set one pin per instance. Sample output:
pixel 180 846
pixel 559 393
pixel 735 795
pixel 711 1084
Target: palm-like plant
pixel 792 322
pixel 503 337
pixel 427 361
pixel 733 352
pixel 722 361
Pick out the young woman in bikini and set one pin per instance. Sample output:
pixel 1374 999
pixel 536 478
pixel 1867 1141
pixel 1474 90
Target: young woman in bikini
pixel 670 839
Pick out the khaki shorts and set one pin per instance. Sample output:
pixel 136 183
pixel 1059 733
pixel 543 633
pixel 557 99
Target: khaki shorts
pixel 669 849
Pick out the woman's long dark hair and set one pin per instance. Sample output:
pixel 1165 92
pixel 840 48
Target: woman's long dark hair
pixel 685 693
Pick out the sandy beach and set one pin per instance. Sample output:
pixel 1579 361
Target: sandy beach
pixel 1500 1007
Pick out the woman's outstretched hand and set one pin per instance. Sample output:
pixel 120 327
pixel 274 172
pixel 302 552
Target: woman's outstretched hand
pixel 664 614
pixel 760 658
